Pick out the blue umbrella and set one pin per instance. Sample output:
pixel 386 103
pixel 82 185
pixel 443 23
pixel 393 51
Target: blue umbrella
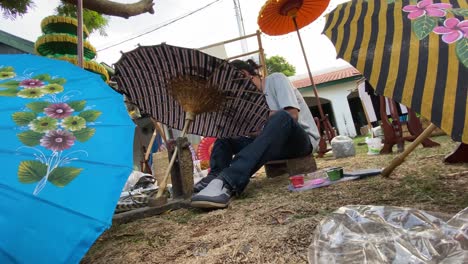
pixel 66 153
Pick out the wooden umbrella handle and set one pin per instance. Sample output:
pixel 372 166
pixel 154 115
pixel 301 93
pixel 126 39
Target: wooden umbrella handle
pixel 401 157
pixel 157 127
pixel 162 185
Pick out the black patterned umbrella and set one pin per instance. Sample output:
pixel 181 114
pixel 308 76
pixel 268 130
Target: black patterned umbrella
pixel 167 82
pixel 191 91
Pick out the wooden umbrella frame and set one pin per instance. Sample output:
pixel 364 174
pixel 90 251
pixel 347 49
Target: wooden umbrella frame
pixel 290 9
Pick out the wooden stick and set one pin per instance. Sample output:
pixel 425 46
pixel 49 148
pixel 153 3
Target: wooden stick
pixel 369 125
pixel 157 127
pixel 401 157
pixel 227 41
pixel 162 185
pixel 242 55
pixel 262 54
pixel 150 145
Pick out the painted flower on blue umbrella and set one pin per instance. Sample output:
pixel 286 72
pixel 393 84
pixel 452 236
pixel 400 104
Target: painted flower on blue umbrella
pixel 426 7
pixel 58 140
pixel 43 124
pixel 52 88
pixel 74 123
pixel 452 30
pixel 60 110
pixel 6 75
pixel 31 93
pixel 30 83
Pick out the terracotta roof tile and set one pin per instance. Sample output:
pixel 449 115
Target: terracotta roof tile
pixel 326 77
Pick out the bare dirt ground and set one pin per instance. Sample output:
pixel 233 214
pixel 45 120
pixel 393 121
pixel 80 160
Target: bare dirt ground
pixel 269 224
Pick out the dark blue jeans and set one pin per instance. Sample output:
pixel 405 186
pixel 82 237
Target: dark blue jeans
pixel 281 138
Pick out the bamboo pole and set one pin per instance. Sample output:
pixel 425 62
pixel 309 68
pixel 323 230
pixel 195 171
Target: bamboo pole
pixel 242 55
pixel 162 185
pixel 157 126
pixel 401 157
pixel 227 41
pixel 79 16
pixel 262 54
pixel 314 88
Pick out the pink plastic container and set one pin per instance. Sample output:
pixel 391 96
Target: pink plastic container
pixel 297 181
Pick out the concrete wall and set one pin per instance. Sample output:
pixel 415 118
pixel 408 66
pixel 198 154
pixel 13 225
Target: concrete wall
pixel 337 94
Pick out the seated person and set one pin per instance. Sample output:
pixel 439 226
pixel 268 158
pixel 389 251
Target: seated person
pixel 290 132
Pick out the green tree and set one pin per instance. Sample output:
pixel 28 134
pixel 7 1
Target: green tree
pixel 13 8
pixel 279 64
pixel 92 19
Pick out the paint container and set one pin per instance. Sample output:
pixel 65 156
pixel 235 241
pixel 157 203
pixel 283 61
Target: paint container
pixel 335 174
pixel 297 180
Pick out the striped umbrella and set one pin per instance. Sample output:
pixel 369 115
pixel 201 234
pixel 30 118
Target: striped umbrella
pixel 191 91
pixel 413 52
pixel 168 81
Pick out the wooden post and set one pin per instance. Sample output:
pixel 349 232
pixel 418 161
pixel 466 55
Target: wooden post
pixel 459 155
pixel 415 128
pixel 182 171
pixel 162 185
pixel 79 33
pixel 262 54
pixel 401 157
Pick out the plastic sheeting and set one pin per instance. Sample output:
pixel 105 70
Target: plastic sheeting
pixel 386 234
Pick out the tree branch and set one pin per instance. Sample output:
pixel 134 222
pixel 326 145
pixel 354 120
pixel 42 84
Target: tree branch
pixel 106 7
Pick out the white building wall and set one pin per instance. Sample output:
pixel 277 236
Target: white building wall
pixel 338 96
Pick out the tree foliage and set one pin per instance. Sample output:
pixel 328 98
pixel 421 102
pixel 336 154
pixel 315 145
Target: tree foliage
pixel 13 8
pixel 92 19
pixel 279 64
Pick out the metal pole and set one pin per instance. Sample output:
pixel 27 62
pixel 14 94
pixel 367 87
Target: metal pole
pixel 319 105
pixel 240 25
pixel 79 33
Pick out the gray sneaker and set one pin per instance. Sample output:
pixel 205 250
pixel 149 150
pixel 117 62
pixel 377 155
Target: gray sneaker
pixel 216 195
pixel 203 183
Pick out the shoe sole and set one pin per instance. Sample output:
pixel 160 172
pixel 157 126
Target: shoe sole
pixel 208 205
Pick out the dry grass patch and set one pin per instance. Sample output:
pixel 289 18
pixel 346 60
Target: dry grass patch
pixel 269 224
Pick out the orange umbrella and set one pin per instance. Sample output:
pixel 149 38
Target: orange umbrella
pixel 279 17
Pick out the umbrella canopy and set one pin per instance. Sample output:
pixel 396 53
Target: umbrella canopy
pixel 205 147
pixel 413 52
pixel 66 154
pixel 168 82
pixel 275 16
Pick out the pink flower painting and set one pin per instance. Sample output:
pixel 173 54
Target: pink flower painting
pixel 426 7
pixel 60 110
pixel 452 30
pixel 58 140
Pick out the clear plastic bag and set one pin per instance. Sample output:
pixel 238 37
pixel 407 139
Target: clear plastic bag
pixel 386 234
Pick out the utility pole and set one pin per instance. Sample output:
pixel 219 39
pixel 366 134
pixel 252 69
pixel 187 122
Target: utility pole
pixel 240 25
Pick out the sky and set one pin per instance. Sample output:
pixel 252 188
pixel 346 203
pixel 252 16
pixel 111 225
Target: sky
pixel 213 24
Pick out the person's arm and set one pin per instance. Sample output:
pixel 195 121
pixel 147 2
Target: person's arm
pixel 293 112
pixel 285 95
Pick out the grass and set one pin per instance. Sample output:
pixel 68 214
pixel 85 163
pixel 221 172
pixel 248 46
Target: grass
pixel 269 224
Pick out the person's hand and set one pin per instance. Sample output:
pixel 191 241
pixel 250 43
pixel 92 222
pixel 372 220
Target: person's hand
pixel 255 134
